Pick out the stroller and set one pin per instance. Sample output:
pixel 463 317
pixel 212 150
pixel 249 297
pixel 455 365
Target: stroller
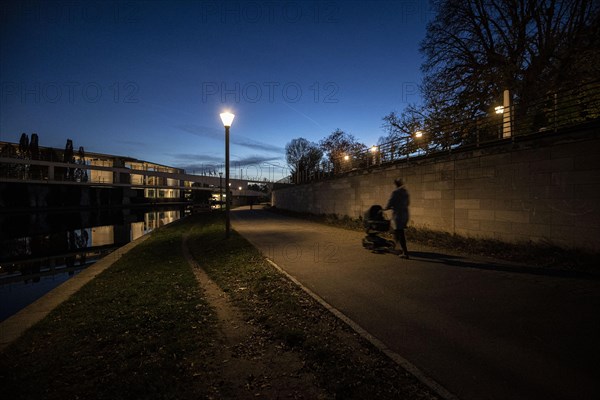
pixel 375 222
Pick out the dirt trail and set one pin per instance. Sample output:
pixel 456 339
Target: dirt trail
pixel 251 366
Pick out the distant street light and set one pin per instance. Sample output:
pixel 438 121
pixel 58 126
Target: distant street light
pixel 227 119
pixel 419 134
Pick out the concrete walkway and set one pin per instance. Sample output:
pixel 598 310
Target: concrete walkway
pixel 482 329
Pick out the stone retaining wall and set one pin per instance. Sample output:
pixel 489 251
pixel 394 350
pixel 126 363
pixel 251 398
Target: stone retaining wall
pixel 542 188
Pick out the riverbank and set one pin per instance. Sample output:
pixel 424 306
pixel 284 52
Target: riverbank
pixel 151 327
pixel 40 251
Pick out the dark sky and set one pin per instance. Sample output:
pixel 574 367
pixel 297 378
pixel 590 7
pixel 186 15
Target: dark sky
pixel 148 79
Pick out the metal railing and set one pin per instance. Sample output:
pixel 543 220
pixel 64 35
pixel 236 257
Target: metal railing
pixel 553 112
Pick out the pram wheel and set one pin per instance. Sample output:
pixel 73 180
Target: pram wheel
pixel 374 222
pixel 377 244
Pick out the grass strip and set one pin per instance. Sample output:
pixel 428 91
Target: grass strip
pixel 348 366
pixel 140 330
pixel 143 330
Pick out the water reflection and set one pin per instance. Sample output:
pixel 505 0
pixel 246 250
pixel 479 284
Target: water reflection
pixel 39 251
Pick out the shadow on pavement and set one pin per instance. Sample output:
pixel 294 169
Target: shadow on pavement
pixel 461 262
pixel 294 237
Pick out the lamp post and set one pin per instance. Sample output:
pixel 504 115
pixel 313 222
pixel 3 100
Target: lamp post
pixel 221 191
pixel 505 111
pixel 499 111
pixel 418 136
pixel 346 161
pixel 507 117
pixel 227 119
pixel 373 151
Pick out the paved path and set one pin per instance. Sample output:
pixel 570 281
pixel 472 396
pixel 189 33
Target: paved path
pixel 482 329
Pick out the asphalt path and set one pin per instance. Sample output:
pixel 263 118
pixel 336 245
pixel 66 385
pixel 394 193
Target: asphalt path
pixel 481 328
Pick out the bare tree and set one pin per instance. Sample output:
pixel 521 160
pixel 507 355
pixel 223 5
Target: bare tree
pixel 340 144
pixel 303 157
pixel 403 127
pixel 478 48
pixel 475 49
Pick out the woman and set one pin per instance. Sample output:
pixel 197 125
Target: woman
pixel 398 202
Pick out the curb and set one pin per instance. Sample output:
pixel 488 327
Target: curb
pixel 397 358
pixel 14 326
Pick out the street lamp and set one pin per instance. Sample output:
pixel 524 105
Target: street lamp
pixel 504 110
pixel 221 191
pixel 373 151
pixel 417 143
pixel 227 119
pixel 346 161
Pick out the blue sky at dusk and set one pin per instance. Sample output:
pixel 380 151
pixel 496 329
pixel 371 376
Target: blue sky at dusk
pixel 149 79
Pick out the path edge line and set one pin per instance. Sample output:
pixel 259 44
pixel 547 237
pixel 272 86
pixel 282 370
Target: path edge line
pixel 397 358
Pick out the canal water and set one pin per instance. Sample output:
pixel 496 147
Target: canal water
pixel 41 250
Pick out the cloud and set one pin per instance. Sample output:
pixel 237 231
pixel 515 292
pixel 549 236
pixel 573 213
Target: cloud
pixel 197 162
pixel 202 163
pixel 216 134
pixel 253 144
pixel 253 160
pixel 204 158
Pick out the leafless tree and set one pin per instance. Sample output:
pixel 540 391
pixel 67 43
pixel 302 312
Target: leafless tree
pixel 340 144
pixel 475 49
pixel 303 157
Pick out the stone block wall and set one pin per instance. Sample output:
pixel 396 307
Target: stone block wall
pixel 542 188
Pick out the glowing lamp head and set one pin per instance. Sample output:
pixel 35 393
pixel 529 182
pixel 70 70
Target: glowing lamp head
pixel 418 134
pixel 227 118
pixel 499 109
pixel 346 157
